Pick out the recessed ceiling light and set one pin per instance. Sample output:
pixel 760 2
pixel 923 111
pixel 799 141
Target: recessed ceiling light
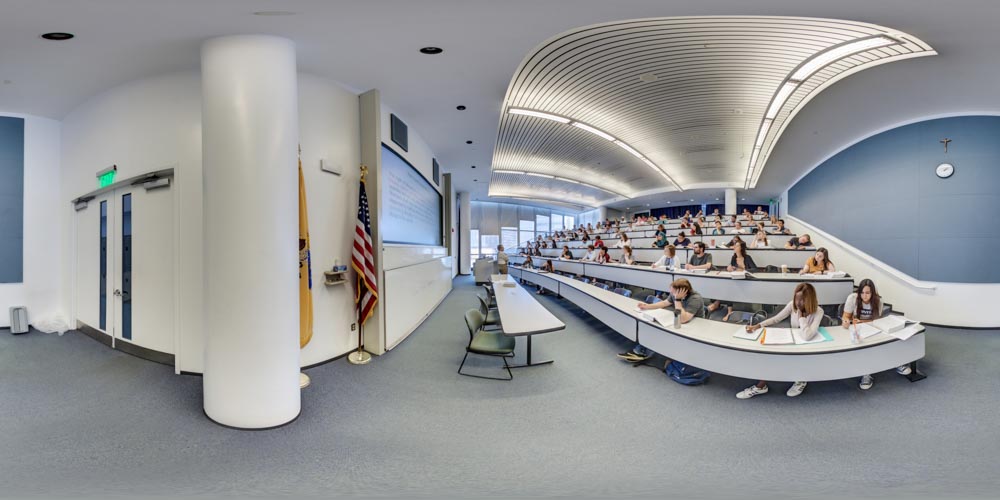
pixel 468 142
pixel 473 166
pixel 431 50
pixel 273 13
pixel 743 199
pixel 460 107
pixel 58 36
pixel 648 77
pixel 692 200
pixel 716 199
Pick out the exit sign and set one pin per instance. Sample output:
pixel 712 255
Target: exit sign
pixel 106 177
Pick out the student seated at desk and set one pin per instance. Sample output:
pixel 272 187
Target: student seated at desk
pixel 781 229
pixel 683 299
pixel 865 306
pixel 739 229
pixel 627 257
pixel 760 240
pixel 537 252
pixel 730 243
pixel 760 226
pixel 681 240
pixel 760 211
pixel 802 241
pixel 740 260
pixel 715 213
pixel 623 242
pixel 566 254
pixel 696 229
pixel 718 229
pixel 590 255
pixel 668 260
pixel 732 220
pixel 547 267
pixel 528 263
pixel 598 242
pixel 818 263
pixel 806 316
pixel 660 241
pixel 700 259
pixel 602 256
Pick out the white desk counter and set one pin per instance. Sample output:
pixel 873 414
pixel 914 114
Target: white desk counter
pixel 710 344
pixel 522 315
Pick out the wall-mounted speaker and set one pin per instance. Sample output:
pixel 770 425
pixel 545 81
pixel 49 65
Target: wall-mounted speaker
pixel 437 171
pixel 400 132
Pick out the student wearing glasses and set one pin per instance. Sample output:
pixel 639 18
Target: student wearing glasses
pixel 865 306
pixel 681 240
pixel 806 316
pixel 818 263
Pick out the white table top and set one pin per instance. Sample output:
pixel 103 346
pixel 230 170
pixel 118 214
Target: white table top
pixel 520 313
pixel 716 332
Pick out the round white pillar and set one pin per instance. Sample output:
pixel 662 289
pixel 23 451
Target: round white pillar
pixel 250 131
pixel 730 201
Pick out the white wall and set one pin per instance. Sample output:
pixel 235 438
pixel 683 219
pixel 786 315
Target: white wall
pixel 153 123
pixel 39 291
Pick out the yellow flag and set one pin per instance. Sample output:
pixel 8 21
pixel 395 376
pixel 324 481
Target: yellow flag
pixel 305 268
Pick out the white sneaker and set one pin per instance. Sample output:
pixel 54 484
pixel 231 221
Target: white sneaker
pixel 796 389
pixel 904 370
pixel 751 391
pixel 866 382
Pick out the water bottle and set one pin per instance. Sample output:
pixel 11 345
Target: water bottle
pixel 677 319
pixel 855 337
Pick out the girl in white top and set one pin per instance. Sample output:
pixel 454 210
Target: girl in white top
pixel 669 258
pixel 806 316
pixel 760 240
pixel 624 242
pixel 590 255
pixel 627 257
pixel 863 307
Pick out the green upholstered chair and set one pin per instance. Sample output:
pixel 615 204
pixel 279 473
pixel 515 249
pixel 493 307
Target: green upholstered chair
pixel 492 316
pixel 486 343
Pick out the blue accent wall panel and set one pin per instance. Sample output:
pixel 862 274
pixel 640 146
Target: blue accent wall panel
pixel 882 196
pixel 11 200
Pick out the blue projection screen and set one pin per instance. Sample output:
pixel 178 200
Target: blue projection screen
pixel 11 199
pixel 411 207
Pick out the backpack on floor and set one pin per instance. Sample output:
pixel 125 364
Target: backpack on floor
pixel 686 374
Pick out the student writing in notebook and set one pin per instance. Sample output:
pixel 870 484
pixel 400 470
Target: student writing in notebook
pixel 806 316
pixel 818 263
pixel 865 306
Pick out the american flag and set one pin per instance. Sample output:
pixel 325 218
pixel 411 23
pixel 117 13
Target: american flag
pixel 366 295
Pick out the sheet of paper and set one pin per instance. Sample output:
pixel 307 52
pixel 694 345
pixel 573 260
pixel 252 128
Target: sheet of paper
pixel 778 336
pixel 866 330
pixel 907 332
pixel 797 337
pixel 742 333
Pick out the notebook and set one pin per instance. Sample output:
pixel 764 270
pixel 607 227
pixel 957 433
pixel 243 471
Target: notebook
pixel 777 336
pixel 742 333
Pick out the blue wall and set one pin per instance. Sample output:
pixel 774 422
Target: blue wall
pixel 12 200
pixel 882 196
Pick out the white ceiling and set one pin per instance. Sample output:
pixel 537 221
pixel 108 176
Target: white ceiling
pixel 373 44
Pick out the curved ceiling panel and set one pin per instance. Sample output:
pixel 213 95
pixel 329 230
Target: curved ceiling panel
pixel 665 104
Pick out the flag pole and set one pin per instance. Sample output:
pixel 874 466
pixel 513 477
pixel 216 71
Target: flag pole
pixel 360 357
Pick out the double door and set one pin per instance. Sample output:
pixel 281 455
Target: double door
pixel 125 266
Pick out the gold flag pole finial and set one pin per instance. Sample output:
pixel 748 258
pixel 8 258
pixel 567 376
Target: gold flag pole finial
pixel 364 172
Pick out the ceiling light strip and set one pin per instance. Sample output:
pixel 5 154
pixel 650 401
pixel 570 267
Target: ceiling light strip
pixel 564 179
pixel 600 133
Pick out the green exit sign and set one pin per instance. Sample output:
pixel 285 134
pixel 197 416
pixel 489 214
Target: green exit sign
pixel 106 179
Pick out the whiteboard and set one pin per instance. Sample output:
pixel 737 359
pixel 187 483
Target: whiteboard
pixel 411 207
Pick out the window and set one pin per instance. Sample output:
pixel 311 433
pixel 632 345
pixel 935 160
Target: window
pixel 508 238
pixel 489 244
pixel 542 224
pixel 474 243
pixel 569 222
pixel 557 223
pixel 527 232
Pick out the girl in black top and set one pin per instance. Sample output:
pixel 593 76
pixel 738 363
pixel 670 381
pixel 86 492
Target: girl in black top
pixel 741 261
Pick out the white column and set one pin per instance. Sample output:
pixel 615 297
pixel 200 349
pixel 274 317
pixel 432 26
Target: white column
pixel 464 223
pixel 602 214
pixel 249 141
pixel 730 201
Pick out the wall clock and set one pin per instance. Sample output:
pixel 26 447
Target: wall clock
pixel 944 170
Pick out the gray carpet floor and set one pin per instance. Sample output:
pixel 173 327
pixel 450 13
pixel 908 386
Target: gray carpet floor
pixel 78 419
